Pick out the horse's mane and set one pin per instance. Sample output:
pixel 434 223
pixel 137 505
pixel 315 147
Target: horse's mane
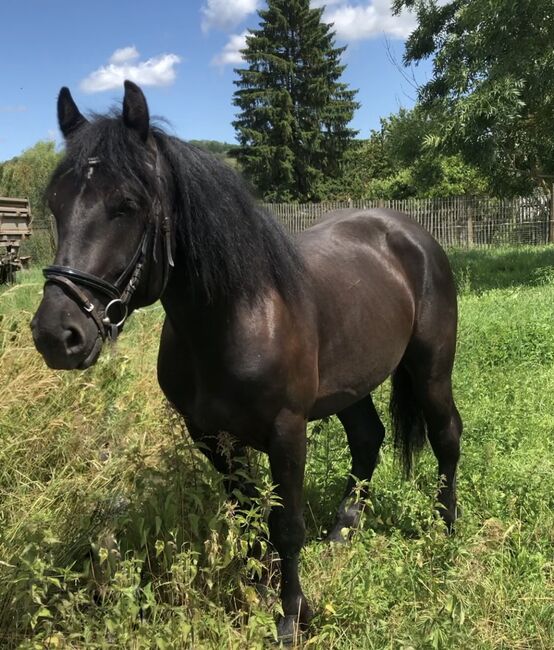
pixel 229 245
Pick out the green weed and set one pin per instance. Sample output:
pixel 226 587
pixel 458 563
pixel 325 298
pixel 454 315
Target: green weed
pixel 115 532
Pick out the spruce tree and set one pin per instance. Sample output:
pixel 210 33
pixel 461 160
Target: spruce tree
pixel 294 110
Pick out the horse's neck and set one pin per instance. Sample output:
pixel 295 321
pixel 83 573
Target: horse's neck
pixel 191 315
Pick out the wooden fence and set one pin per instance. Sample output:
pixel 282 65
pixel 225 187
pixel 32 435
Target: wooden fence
pixel 455 221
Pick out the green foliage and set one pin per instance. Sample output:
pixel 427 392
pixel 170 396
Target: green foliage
pixel 40 246
pixel 492 84
pixel 294 110
pixel 429 176
pixel 27 176
pixel 402 161
pixel 364 161
pixel 115 532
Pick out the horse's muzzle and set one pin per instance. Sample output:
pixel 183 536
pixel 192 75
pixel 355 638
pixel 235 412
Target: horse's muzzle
pixel 65 337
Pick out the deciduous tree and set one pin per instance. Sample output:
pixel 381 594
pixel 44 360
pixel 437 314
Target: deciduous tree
pixel 27 176
pixel 493 82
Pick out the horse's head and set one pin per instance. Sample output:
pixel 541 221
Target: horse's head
pixel 114 242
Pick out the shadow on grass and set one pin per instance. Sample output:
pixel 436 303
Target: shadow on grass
pixel 481 270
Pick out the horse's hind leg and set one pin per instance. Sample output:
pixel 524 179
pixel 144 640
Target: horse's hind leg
pixel 432 385
pixel 365 433
pixel 444 428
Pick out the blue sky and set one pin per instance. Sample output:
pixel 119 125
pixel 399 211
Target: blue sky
pixel 182 53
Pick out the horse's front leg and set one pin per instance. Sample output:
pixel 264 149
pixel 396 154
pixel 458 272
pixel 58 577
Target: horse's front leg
pixel 228 458
pixel 287 458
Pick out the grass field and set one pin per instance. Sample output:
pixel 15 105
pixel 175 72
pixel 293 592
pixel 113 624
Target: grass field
pixel 114 532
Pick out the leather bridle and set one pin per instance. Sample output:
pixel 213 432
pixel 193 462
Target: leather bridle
pixel 110 321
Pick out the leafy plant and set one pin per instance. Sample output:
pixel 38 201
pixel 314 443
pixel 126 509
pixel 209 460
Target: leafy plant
pixel 115 531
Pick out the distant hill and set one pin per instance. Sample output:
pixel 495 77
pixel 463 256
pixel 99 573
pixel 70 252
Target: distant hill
pixel 214 146
pixel 222 150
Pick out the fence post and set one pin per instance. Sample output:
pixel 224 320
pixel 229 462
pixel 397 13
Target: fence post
pixel 551 222
pixel 469 212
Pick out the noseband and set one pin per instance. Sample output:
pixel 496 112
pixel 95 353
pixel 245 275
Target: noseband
pixel 111 320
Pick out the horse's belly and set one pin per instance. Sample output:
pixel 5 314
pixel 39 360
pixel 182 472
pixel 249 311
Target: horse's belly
pixel 346 380
pixel 366 320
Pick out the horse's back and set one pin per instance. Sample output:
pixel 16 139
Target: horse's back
pixel 390 240
pixel 370 225
pixel 378 279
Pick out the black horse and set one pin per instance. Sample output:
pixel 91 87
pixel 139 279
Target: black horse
pixel 262 332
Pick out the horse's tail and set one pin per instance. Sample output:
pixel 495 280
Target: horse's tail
pixel 407 418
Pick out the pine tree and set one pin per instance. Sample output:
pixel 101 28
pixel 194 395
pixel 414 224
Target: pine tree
pixel 294 110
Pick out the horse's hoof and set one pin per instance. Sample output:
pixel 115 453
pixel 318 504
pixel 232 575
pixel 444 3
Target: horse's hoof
pixel 339 535
pixel 289 630
pixel 347 521
pixel 291 627
pixel 450 522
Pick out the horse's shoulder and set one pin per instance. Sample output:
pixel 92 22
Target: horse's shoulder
pixel 263 330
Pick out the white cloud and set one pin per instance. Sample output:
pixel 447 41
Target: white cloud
pixel 353 22
pixel 129 53
pixel 325 3
pixel 226 14
pixel 231 53
pixel 156 71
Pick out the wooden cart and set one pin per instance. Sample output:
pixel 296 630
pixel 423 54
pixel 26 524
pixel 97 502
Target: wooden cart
pixel 15 226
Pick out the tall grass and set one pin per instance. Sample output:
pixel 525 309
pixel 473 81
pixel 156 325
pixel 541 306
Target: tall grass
pixel 114 531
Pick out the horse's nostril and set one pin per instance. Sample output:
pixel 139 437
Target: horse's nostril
pixel 74 340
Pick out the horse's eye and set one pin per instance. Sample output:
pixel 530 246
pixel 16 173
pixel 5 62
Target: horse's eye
pixel 126 208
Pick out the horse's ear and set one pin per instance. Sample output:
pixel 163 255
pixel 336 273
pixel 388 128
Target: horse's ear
pixel 135 110
pixel 69 117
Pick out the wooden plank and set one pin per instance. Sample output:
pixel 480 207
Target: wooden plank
pixel 15 220
pixel 14 232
